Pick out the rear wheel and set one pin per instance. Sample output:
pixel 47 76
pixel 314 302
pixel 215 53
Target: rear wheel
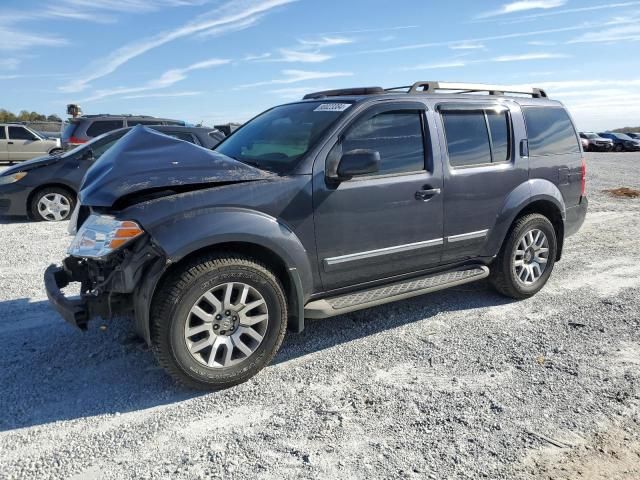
pixel 52 204
pixel 218 321
pixel 526 259
pixel 618 148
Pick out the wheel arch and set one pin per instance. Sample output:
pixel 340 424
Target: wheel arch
pixel 534 196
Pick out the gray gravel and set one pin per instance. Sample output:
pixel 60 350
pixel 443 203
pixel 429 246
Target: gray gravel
pixel 457 384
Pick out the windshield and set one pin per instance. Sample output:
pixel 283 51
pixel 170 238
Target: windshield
pixel 277 139
pixel 98 145
pixel 591 135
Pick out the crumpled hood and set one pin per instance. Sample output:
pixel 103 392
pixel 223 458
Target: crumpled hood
pixel 145 159
pixel 31 164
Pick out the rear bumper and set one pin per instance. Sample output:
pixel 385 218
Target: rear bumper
pixel 575 217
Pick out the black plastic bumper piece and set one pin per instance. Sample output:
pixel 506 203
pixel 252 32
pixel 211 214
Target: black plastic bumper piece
pixel 74 310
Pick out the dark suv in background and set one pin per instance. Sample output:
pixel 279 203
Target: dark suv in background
pixel 342 201
pixel 84 128
pixel 622 142
pixel 45 188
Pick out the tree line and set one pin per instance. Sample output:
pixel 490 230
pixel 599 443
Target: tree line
pixel 26 116
pixel 627 129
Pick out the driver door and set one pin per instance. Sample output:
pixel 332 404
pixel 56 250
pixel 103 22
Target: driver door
pixel 382 224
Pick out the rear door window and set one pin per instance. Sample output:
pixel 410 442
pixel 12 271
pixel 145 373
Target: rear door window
pixel 103 126
pixel 467 138
pixel 550 131
pixel 3 135
pixel 499 131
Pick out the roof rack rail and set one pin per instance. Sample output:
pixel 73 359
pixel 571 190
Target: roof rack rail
pixel 432 87
pixel 344 91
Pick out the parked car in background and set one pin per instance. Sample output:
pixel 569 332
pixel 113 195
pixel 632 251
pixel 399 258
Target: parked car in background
pixel 339 202
pixel 82 129
pixel 19 143
pixel 595 143
pixel 622 142
pixel 634 135
pixel 45 188
pixel 228 128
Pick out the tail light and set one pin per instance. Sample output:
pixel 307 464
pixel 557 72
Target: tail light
pixel 76 140
pixel 584 177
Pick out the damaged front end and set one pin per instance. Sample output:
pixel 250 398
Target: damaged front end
pixel 110 260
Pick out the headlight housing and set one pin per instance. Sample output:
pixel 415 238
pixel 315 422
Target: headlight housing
pixel 101 235
pixel 12 178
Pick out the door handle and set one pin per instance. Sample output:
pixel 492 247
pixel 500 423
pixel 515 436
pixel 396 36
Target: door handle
pixel 9 143
pixel 425 195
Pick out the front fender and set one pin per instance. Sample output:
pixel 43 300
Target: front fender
pixel 193 231
pixel 526 193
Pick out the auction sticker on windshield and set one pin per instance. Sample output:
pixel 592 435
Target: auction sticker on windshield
pixel 332 107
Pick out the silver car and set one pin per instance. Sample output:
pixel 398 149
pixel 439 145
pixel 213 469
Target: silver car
pixel 19 143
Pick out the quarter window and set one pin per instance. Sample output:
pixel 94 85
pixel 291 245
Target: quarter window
pixel 550 131
pixel 103 126
pixel 396 135
pixel 19 133
pixel 499 131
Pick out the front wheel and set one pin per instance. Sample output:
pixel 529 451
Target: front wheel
pixel 218 321
pixel 526 259
pixel 52 204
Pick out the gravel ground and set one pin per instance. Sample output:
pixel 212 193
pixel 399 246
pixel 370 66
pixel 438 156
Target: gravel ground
pixel 457 384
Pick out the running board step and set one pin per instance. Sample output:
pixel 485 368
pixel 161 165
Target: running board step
pixel 329 307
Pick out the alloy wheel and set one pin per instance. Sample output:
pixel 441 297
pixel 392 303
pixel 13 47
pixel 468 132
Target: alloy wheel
pixel 226 325
pixel 531 256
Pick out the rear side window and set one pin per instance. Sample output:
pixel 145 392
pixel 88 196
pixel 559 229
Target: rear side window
pixel 133 123
pixel 467 138
pixel 550 131
pixel 397 136
pixel 187 137
pixel 103 126
pixel 3 135
pixel 477 137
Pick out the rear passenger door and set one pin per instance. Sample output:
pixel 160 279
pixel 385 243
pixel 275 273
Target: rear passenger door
pixel 482 166
pixel 383 224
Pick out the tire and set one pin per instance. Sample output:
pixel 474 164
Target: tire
pixel 513 272
pixel 184 304
pixel 52 204
pixel 618 148
pixel 55 151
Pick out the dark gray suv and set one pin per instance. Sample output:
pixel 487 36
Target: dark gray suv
pixel 342 201
pixel 80 130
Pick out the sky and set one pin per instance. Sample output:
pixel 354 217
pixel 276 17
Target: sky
pixel 218 61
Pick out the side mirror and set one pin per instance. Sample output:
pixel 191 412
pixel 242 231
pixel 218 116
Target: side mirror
pixel 87 155
pixel 358 162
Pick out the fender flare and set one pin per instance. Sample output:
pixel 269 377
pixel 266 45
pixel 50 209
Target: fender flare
pixel 219 226
pixel 521 197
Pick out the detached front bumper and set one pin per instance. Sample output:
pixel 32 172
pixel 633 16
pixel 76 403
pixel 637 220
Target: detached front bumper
pixel 74 310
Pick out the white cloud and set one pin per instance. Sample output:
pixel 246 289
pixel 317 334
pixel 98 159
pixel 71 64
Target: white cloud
pixel 620 33
pixel 223 19
pixel 163 95
pixel 13 40
pixel 523 5
pixel 252 57
pixel 467 46
pixel 167 79
pixel 9 63
pixel 528 56
pixel 565 11
pixel 323 42
pixel 429 66
pixel 300 56
pixel 295 92
pixel 295 76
